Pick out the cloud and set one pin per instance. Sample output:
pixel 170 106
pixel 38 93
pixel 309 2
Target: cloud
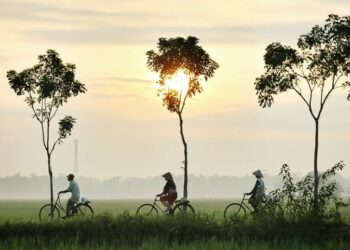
pixel 118 82
pixel 105 85
pixel 215 34
pixel 112 96
pixel 25 11
pixel 126 79
pixel 132 24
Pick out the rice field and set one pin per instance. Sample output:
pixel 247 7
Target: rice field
pixel 24 210
pixel 117 227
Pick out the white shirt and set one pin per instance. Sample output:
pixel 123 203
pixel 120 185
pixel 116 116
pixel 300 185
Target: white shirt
pixel 74 189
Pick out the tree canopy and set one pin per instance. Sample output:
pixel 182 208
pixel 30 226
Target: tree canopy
pixel 176 54
pixel 46 86
pixel 323 56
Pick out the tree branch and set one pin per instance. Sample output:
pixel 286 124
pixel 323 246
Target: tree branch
pixel 180 101
pixel 327 95
pixel 305 101
pixel 336 81
pixel 54 145
pixel 322 89
pixel 307 79
pixel 41 125
pixel 48 135
pixel 54 113
pixel 43 135
pixel 35 114
pixel 184 102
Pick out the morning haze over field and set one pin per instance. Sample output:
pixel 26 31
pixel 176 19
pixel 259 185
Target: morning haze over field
pixel 122 128
pixel 162 124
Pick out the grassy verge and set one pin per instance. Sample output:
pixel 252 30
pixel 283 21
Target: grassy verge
pixel 179 232
pixel 157 243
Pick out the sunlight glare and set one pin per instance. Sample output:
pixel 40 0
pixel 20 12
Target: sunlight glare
pixel 179 82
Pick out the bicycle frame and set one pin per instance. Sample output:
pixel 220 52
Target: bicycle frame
pixel 59 205
pixel 155 204
pixel 243 204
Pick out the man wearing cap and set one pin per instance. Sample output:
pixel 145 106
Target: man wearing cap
pixel 169 194
pixel 74 189
pixel 258 191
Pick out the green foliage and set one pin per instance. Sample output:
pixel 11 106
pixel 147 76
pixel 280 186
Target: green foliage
pixel 46 86
pixel 134 230
pixel 115 229
pixel 65 127
pixel 49 79
pixel 176 54
pixel 323 53
pixel 297 197
pixel 20 243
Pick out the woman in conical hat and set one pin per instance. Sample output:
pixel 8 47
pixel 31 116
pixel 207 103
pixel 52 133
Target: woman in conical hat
pixel 168 176
pixel 258 191
pixel 258 174
pixel 169 194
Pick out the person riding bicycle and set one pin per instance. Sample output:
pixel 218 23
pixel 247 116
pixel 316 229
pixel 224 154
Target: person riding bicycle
pixel 258 191
pixel 169 194
pixel 74 189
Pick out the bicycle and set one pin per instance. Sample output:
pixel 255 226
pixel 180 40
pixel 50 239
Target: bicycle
pixel 266 207
pixel 50 212
pixel 182 207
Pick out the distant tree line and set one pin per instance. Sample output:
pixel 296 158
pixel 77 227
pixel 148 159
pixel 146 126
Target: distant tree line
pixel 224 187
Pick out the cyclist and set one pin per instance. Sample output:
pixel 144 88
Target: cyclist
pixel 74 189
pixel 169 194
pixel 258 191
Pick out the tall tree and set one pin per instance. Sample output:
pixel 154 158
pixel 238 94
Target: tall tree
pixel 190 64
pixel 319 66
pixel 46 87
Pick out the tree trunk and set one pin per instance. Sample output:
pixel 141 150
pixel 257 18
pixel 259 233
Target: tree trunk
pixel 185 194
pixel 316 168
pixel 50 174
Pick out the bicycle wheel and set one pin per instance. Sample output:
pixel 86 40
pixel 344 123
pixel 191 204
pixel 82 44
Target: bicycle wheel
pixel 83 210
pixel 49 212
pixel 147 210
pixel 233 211
pixel 184 208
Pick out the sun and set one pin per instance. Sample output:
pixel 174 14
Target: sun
pixel 179 82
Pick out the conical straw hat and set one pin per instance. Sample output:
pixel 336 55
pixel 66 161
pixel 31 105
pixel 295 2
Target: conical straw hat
pixel 168 176
pixel 258 173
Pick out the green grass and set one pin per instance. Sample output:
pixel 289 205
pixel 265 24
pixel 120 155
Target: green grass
pixel 117 227
pixel 179 232
pixel 152 244
pixel 24 210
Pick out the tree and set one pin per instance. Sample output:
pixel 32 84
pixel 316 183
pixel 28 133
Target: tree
pixel 189 63
pixel 320 65
pixel 47 86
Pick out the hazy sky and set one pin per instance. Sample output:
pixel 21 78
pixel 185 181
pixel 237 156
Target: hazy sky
pixel 122 128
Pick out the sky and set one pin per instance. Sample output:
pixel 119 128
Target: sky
pixel 122 128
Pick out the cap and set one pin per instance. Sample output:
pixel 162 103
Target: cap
pixel 70 175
